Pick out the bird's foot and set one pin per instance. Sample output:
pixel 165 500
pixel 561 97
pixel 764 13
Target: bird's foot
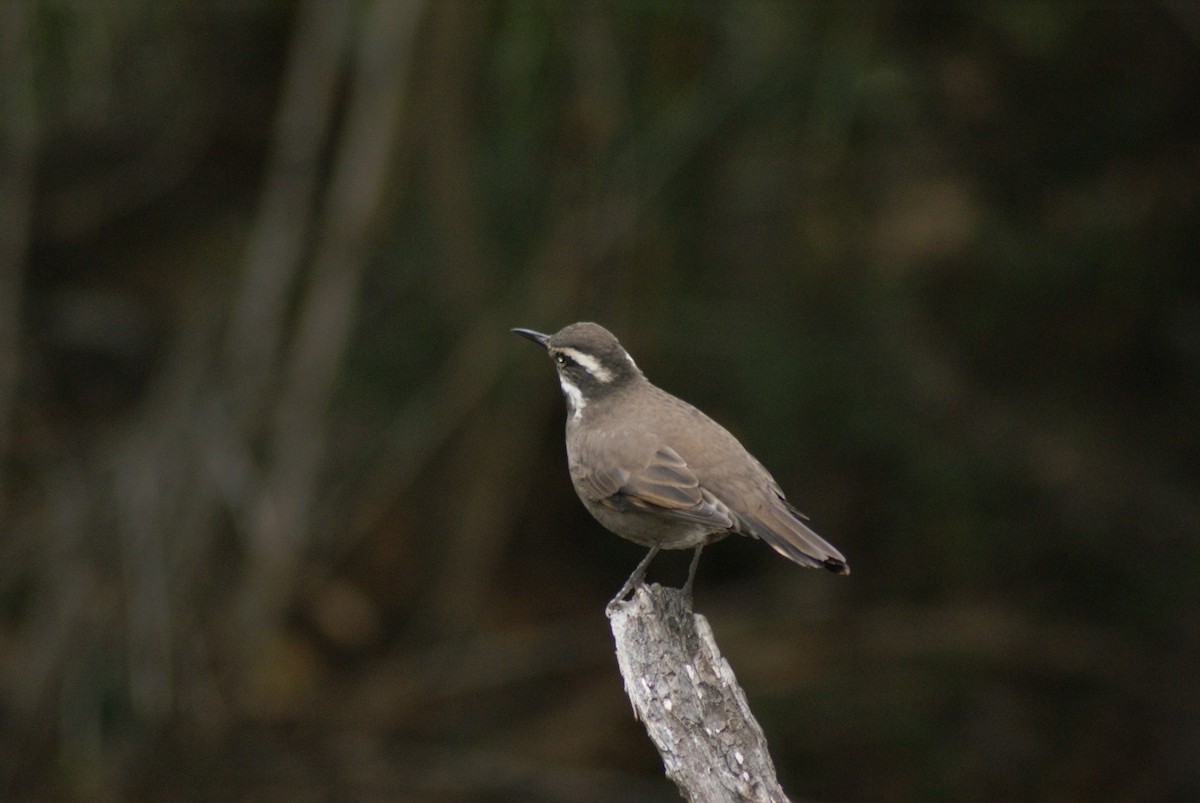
pixel 691 580
pixel 635 579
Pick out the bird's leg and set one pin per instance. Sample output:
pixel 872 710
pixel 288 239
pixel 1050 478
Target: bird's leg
pixel 638 575
pixel 687 587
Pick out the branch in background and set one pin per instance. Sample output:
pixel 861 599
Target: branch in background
pixel 685 693
pixel 274 264
pixel 280 529
pixel 18 156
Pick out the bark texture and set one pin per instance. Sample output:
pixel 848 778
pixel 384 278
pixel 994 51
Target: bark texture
pixel 686 695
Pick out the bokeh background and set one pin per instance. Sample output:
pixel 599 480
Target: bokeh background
pixel 285 512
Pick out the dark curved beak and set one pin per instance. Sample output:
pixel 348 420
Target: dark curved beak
pixel 536 337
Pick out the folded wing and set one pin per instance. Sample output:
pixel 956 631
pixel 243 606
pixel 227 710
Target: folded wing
pixel 665 486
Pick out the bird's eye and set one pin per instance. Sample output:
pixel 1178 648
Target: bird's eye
pixel 561 359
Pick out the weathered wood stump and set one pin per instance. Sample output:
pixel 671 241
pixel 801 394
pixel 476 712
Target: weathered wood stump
pixel 686 695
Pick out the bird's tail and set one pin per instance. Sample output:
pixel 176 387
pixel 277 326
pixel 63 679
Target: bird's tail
pixel 783 527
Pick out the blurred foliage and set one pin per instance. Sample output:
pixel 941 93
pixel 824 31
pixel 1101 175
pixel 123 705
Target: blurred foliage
pixel 283 506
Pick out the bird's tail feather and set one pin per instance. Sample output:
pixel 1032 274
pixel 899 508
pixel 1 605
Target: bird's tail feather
pixel 780 525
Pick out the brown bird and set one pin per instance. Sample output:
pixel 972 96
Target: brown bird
pixel 655 470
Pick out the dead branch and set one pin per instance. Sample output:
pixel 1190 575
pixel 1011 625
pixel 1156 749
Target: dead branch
pixel 685 693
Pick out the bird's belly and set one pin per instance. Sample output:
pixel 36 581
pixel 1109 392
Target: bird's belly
pixel 647 529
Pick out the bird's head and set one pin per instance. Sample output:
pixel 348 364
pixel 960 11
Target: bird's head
pixel 590 361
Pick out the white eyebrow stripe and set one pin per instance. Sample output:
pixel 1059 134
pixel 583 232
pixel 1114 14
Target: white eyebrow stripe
pixel 590 364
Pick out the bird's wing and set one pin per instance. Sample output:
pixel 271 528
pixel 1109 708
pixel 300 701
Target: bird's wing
pixel 664 486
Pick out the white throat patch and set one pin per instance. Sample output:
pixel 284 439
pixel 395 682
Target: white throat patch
pixel 589 364
pixel 575 399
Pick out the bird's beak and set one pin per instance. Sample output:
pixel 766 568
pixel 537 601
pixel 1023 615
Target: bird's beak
pixel 536 337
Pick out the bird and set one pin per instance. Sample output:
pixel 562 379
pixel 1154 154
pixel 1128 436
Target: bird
pixel 657 471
